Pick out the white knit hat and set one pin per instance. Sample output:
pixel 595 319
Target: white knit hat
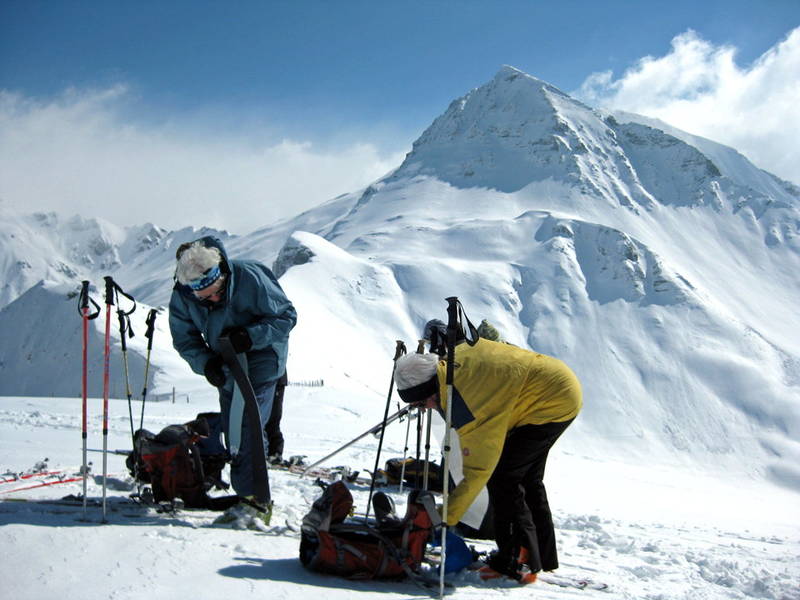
pixel 196 262
pixel 415 376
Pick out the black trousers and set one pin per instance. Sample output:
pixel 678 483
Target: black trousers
pixel 272 429
pixel 522 516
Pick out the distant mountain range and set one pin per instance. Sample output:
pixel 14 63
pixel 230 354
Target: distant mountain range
pixel 661 266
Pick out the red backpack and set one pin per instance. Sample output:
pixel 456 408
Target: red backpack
pixel 332 544
pixel 181 462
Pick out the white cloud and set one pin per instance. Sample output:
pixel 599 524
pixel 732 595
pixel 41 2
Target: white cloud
pixel 78 153
pixel 699 87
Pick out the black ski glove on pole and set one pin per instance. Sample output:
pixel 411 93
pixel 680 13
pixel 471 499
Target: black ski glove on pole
pixel 240 339
pixel 213 371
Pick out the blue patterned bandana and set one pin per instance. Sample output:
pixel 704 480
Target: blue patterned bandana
pixel 208 278
pixel 420 392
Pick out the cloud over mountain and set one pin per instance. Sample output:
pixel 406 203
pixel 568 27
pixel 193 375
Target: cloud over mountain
pixel 86 152
pixel 700 88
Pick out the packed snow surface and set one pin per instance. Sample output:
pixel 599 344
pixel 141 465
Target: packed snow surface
pixel 646 533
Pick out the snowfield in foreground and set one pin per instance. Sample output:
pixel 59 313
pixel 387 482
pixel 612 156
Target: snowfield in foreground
pixel 646 532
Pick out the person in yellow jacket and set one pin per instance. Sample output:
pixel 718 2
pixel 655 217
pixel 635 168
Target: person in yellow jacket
pixel 510 405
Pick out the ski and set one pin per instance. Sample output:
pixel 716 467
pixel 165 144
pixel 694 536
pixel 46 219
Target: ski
pixel 259 460
pixel 12 477
pixel 495 579
pixel 72 504
pixel 372 430
pixel 296 465
pixel 40 484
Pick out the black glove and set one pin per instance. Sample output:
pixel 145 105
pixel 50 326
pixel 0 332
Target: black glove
pixel 240 339
pixel 213 371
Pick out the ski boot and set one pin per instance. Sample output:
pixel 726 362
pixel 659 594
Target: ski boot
pixel 383 506
pixel 517 569
pixel 247 514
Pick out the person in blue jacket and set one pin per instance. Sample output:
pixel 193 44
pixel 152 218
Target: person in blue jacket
pixel 241 299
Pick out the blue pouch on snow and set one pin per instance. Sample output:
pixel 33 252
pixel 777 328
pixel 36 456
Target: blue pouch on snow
pixel 459 556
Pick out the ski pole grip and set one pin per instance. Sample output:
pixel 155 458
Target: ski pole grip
pixel 399 349
pixel 122 326
pixel 84 297
pixel 150 321
pixel 452 320
pixel 452 328
pixel 110 285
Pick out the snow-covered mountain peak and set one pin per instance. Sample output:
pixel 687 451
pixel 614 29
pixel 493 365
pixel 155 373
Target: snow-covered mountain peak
pixel 727 162
pixel 661 266
pixel 516 130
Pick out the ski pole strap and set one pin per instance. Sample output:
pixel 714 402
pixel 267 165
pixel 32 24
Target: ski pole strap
pixel 456 319
pixel 429 503
pixel 84 300
pixel 124 326
pixel 113 290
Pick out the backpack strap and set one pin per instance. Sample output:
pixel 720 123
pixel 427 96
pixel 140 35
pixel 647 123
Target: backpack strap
pixel 426 500
pixel 396 553
pixel 463 318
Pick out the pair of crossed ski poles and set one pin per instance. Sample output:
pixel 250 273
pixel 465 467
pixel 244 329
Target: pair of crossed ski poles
pixel 112 293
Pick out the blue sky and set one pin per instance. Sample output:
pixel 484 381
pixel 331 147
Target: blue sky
pixel 327 78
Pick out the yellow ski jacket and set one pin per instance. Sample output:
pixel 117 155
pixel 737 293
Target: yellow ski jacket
pixel 496 388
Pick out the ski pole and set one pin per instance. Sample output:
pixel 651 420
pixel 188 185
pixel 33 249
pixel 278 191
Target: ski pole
pixel 86 316
pixel 426 469
pixel 428 417
pixel 151 324
pixel 399 350
pixel 452 325
pixel 420 350
pixel 405 455
pixel 106 368
pixel 124 318
pixel 372 430
pixel 420 418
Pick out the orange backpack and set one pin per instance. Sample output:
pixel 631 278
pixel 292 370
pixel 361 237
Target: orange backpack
pixel 330 543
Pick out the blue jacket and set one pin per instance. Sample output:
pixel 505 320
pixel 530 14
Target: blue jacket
pixel 253 300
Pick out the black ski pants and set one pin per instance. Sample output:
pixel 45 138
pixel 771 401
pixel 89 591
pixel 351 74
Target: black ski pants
pixel 273 427
pixel 522 516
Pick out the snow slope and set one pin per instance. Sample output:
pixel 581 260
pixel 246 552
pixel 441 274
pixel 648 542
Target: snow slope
pixel 663 272
pixel 659 265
